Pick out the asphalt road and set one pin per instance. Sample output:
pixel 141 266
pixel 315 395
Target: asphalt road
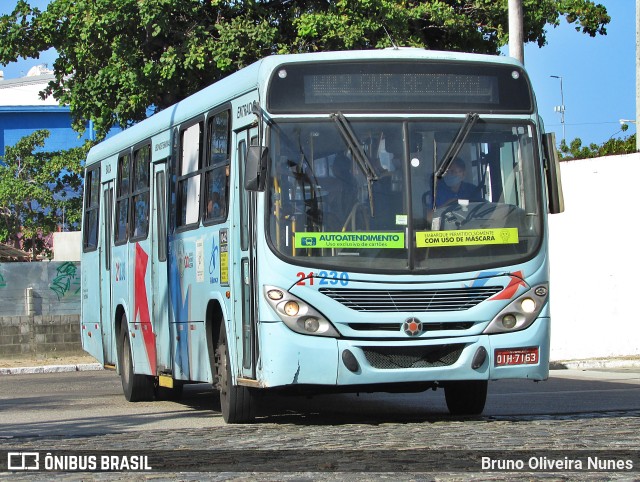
pixel 575 416
pixel 91 403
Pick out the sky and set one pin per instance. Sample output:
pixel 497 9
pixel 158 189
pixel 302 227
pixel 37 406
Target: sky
pixel 598 77
pixel 598 74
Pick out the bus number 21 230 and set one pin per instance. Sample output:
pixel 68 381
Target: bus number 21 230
pixel 323 278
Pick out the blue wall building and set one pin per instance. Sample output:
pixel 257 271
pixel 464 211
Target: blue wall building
pixel 19 121
pixel 22 112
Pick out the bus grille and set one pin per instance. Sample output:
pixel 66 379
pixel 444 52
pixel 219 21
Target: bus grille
pixel 455 325
pixel 393 358
pixel 454 299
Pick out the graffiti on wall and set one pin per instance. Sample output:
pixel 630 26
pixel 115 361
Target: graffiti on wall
pixel 53 287
pixel 67 280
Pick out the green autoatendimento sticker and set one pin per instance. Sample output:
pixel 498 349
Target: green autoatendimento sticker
pixel 349 240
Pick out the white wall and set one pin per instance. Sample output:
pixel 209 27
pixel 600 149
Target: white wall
pixel 17 93
pixel 67 246
pixel 595 260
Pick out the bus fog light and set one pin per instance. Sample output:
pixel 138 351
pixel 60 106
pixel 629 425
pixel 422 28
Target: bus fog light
pixel 311 325
pixel 350 361
pixel 479 358
pixel 275 295
pixel 509 321
pixel 291 308
pixel 528 305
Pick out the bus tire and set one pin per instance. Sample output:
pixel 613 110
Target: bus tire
pixel 236 402
pixel 136 388
pixel 466 397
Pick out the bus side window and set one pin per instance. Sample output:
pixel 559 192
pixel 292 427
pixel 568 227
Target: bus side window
pixel 217 168
pixel 140 193
pixel 91 210
pixel 189 176
pixel 121 232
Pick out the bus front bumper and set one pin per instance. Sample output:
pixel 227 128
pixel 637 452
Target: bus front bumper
pixel 288 358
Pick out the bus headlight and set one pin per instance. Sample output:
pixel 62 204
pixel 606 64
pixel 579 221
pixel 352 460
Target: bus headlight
pixel 291 308
pixel 311 325
pixel 520 313
pixel 298 315
pixel 275 294
pixel 528 305
pixel 509 321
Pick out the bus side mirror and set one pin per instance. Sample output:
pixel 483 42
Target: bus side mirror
pixel 552 171
pixel 256 168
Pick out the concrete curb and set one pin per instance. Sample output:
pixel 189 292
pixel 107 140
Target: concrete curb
pixel 83 367
pixel 595 364
pixel 592 364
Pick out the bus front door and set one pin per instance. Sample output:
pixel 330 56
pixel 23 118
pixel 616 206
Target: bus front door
pixel 244 318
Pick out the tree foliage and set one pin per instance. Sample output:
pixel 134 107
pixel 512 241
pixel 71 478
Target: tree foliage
pixel 119 57
pixel 37 190
pixel 614 146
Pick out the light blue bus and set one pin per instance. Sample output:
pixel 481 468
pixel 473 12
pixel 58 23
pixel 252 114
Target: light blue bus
pixel 339 221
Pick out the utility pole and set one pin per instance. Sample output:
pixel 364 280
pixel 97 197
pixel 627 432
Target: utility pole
pixel 560 108
pixel 516 30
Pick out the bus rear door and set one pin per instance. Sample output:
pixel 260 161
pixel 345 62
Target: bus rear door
pixel 159 281
pixel 105 273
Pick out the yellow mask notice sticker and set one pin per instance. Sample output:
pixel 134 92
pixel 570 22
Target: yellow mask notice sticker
pixel 349 240
pixel 466 237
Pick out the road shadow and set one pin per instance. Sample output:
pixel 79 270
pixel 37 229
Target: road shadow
pixel 74 404
pixel 557 397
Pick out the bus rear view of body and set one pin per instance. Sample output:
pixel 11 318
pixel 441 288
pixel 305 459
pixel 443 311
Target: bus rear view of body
pixel 347 221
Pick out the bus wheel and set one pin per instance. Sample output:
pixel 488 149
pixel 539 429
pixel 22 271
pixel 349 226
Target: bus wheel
pixel 137 388
pixel 236 402
pixel 466 397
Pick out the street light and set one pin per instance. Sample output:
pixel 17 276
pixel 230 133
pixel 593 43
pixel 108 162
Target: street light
pixel 624 125
pixel 560 108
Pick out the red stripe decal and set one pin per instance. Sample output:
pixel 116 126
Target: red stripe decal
pixel 512 287
pixel 141 305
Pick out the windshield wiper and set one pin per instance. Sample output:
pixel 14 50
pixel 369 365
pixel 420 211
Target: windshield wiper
pixel 358 153
pixel 454 148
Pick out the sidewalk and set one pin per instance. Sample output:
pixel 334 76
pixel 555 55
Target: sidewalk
pixel 56 364
pixel 80 363
pixel 624 362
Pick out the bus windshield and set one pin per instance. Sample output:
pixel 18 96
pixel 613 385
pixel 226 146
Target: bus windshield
pixel 373 197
